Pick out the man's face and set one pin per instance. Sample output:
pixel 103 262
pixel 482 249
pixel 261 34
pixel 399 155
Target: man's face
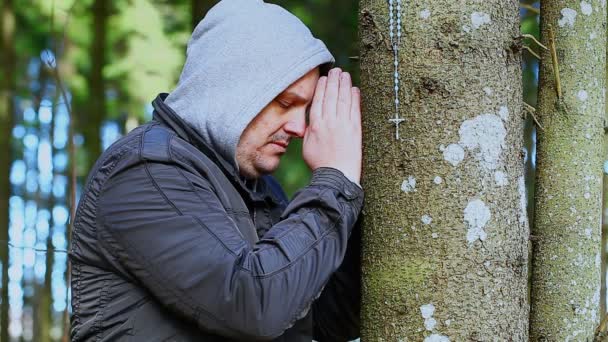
pixel 266 137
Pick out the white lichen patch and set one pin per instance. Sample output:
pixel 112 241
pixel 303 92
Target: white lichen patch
pixel 579 261
pixel 587 195
pixel 426 219
pixel 430 323
pixel 409 184
pixel 434 235
pixel 586 8
pixel 477 215
pixel 488 91
pixel 503 112
pixel 453 154
pixel 484 134
pixel 582 95
pixel 523 200
pixel 568 17
pixel 427 311
pixel 436 338
pixel 500 178
pixel 437 180
pixel 479 18
pixel 425 13
pixel 588 232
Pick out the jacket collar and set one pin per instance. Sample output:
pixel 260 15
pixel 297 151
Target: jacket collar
pixel 166 116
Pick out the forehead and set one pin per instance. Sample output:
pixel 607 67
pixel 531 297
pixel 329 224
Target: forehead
pixel 305 86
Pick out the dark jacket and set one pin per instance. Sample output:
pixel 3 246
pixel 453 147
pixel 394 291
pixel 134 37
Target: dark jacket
pixel 169 244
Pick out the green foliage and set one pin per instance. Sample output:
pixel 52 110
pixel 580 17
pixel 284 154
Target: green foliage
pixel 150 59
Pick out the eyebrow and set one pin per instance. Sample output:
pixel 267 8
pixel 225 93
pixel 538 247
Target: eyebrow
pixel 294 95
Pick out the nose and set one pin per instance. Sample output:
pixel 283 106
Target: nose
pixel 296 125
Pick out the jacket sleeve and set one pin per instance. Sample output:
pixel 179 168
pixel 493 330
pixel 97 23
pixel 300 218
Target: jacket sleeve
pixel 168 229
pixel 336 312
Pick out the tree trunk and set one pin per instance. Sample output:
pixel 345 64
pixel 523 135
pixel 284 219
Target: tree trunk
pixel 566 265
pixel 9 61
pixel 604 203
pixel 44 314
pixel 90 121
pixel 445 235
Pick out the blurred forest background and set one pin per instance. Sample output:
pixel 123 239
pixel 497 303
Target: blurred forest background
pixel 89 69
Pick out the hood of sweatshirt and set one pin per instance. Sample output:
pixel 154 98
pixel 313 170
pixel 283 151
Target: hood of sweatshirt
pixel 240 57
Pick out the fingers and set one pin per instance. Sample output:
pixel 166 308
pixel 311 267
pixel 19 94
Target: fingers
pixel 355 105
pixel 316 108
pixel 344 96
pixel 330 103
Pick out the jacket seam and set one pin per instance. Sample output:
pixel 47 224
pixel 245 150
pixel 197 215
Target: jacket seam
pixel 85 196
pixel 103 300
pixel 177 156
pixel 75 245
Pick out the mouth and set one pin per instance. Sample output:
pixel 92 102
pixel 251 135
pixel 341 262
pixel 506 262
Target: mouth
pixel 279 146
pixel 281 143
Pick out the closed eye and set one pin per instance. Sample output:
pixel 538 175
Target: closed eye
pixel 284 104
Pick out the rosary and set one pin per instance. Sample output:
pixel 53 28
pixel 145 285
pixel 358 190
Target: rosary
pixel 395 43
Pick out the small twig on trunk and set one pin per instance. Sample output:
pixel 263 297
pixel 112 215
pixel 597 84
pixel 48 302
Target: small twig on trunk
pixel 530 8
pixel 531 51
pixel 532 111
pixel 558 84
pixel 529 36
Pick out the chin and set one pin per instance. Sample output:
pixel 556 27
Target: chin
pixel 267 165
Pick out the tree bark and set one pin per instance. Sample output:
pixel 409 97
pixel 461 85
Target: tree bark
pixel 9 61
pixel 90 121
pixel 604 202
pixel 565 291
pixel 445 235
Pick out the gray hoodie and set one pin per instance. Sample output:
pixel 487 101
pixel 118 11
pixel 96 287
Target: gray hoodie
pixel 240 57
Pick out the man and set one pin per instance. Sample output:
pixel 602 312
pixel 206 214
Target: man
pixel 181 234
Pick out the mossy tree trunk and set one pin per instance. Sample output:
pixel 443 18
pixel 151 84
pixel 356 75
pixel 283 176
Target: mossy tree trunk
pixel 7 91
pixel 445 234
pixel 566 274
pixel 604 201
